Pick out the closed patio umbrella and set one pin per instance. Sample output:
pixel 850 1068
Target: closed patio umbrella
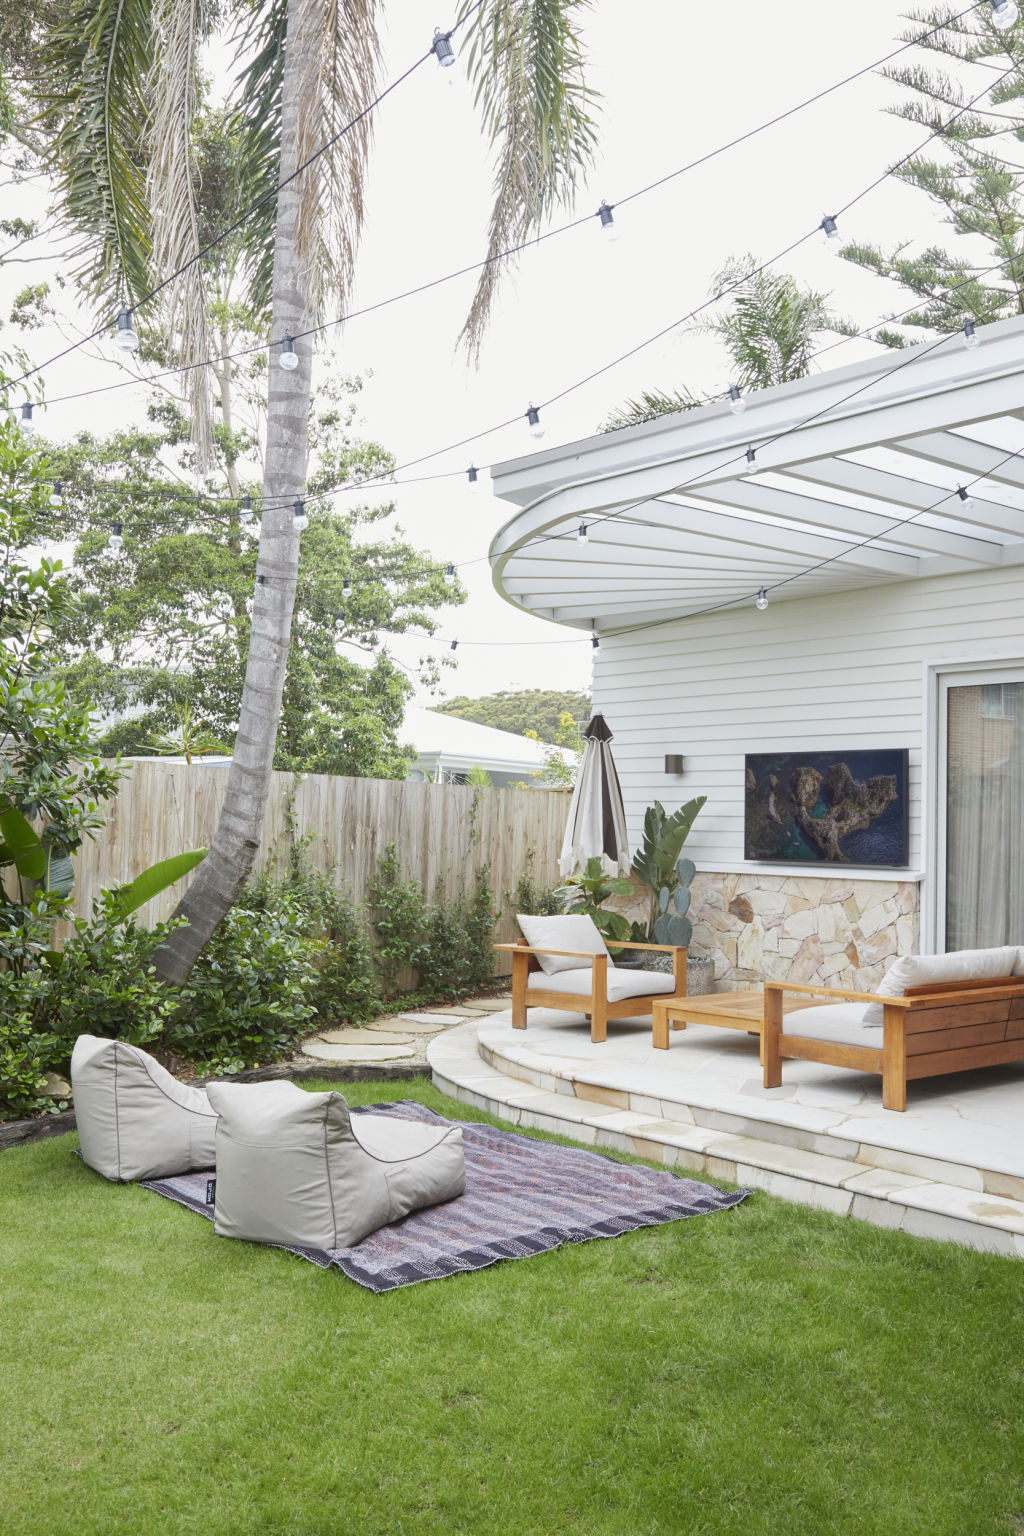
pixel 597 820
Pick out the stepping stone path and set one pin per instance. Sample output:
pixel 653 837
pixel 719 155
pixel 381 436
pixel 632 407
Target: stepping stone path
pixel 398 1038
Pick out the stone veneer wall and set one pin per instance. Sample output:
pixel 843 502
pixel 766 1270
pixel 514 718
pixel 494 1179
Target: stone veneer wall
pixel 802 928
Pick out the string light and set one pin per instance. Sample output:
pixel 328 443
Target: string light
pixel 454 645
pixel 26 423
pixel 346 588
pixel 965 496
pixel 582 536
pixel 57 494
pixel 473 476
pixel 595 643
pixel 1004 14
pixel 751 462
pixel 289 358
pixel 737 404
pixel 442 48
pixel 829 227
pixel 300 522
pixel 126 337
pixel 115 541
pixel 449 574
pixel 534 421
pixel 762 599
pixel 971 337
pixel 609 228
pixel 245 515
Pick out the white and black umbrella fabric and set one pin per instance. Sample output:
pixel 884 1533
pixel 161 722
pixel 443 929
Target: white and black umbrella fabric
pixel 597 820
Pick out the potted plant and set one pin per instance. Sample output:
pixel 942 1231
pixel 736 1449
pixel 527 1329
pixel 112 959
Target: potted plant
pixel 658 866
pixel 585 892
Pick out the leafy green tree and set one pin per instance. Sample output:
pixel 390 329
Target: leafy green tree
pixel 767 325
pixel 121 80
pixel 163 625
pixel 556 770
pixel 975 179
pixel 540 710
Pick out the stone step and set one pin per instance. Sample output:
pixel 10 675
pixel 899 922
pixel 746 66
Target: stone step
pixel 922 1205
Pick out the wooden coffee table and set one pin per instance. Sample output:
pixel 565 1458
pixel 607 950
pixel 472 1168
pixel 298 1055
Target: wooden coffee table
pixel 729 1010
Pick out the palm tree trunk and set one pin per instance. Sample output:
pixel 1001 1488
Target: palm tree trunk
pixel 235 844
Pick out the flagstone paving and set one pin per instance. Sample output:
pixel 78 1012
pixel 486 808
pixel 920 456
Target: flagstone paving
pixel 354 1036
pixel 322 1050
pixel 396 1037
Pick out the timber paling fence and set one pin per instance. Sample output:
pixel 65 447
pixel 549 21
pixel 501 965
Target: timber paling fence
pixel 442 832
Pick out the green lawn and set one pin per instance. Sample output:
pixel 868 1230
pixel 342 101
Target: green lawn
pixel 769 1371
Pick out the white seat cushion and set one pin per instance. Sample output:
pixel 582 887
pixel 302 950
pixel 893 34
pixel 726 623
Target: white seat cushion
pixel 839 1023
pixel 135 1121
pixel 291 1167
pixel 621 984
pixel 928 970
pixel 574 931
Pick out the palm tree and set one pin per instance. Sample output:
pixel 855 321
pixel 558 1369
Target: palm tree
pixel 122 86
pixel 768 327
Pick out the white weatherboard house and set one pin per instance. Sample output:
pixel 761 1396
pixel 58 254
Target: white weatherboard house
pixel 885 521
pixel 448 748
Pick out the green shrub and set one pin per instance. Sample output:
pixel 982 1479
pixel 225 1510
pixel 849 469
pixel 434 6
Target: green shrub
pixel 247 999
pixel 400 921
pixel 481 916
pixel 530 897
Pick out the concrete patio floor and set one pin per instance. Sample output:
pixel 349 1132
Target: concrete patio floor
pixel 952 1166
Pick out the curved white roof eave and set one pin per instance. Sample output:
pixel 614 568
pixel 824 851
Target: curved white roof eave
pixel 857 482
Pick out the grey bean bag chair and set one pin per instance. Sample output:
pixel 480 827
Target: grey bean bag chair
pixel 134 1120
pixel 292 1167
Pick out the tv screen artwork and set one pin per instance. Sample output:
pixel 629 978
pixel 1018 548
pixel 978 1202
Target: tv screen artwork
pixel 827 807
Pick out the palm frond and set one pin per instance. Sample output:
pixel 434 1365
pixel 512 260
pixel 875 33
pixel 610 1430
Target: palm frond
pixel 182 26
pixel 340 78
pixel 652 404
pixel 93 78
pixel 769 324
pixel 526 60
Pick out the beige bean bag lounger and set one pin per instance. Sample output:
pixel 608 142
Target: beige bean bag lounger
pixel 135 1121
pixel 292 1167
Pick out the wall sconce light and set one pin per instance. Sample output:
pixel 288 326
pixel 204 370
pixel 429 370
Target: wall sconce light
pixel 673 762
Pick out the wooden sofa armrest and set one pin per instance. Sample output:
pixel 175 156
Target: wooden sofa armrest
pixel 841 994
pixel 629 944
pixel 526 949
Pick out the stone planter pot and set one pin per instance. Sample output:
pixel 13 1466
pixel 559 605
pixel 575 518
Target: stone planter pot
pixel 700 972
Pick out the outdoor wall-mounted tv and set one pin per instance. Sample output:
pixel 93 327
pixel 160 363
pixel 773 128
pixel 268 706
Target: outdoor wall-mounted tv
pixel 827 807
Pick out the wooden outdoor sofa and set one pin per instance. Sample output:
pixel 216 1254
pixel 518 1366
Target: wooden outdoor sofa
pixel 949 1026
pixel 610 993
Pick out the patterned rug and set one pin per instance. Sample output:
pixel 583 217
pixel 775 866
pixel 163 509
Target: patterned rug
pixel 522 1197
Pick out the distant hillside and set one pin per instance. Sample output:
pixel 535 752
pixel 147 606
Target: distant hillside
pixel 532 709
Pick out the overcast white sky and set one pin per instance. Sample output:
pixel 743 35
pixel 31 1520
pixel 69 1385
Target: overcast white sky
pixel 677 80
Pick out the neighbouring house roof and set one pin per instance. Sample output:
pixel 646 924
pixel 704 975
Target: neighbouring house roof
pixel 875 451
pixel 457 745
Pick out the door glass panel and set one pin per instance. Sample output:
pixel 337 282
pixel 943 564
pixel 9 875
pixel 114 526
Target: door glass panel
pixel 985 815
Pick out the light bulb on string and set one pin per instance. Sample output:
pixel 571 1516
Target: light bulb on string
pixel 449 574
pixel 829 227
pixel 245 512
pixel 751 462
pixel 346 588
pixel 126 337
pixel 300 522
pixel 965 496
pixel 582 534
pixel 454 645
pixel 534 422
pixel 761 601
pixel 115 541
pixel 442 49
pixel 1004 14
pixel 609 228
pixel 57 494
pixel 289 359
pixel 595 643
pixel 971 337
pixel 26 423
pixel 737 404
pixel 473 476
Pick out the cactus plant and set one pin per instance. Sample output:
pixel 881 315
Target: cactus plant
pixel 667 876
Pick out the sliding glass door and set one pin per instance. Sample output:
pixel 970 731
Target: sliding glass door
pixel 982 849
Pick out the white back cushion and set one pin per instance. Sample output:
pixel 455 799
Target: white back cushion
pixel 575 931
pixel 135 1121
pixel 929 970
pixel 291 1170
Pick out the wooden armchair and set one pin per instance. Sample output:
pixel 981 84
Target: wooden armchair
pixel 949 1026
pixel 597 988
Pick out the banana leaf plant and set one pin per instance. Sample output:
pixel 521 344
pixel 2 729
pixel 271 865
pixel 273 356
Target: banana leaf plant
pixel 667 876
